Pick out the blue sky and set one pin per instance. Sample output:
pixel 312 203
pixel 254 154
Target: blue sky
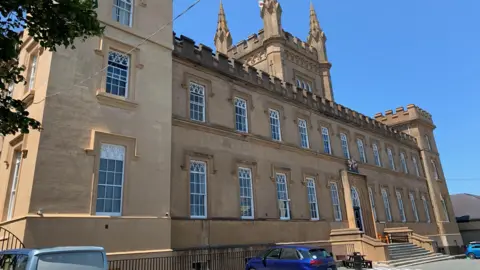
pixel 385 54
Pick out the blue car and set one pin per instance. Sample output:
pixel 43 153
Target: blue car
pixel 473 250
pixel 293 258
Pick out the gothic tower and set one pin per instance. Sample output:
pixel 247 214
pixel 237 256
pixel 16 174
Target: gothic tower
pixel 317 40
pixel 223 38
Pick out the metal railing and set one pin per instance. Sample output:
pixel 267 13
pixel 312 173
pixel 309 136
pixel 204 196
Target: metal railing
pixel 211 259
pixel 8 240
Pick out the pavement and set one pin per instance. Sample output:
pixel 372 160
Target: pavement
pixel 460 264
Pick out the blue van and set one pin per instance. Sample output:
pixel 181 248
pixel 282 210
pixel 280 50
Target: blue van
pixel 58 258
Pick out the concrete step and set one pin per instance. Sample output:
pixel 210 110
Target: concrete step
pixel 412 257
pixel 389 247
pixel 412 249
pixel 424 260
pixel 409 254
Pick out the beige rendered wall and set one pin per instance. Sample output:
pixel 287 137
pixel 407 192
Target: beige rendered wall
pixel 78 116
pixel 216 143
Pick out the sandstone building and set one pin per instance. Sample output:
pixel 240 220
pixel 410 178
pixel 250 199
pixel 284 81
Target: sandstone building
pixel 176 147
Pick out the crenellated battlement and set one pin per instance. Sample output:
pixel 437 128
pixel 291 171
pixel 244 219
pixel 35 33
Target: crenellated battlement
pixel 400 116
pixel 185 48
pixel 248 45
pixel 300 45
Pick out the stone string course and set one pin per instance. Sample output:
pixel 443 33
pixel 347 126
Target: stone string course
pixel 185 48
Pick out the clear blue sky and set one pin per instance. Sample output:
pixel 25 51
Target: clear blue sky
pixel 385 54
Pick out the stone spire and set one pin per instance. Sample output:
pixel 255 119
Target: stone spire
pixel 271 13
pixel 223 38
pixel 316 36
pixel 317 40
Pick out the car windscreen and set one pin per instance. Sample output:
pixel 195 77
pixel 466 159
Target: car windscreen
pixel 76 260
pixel 319 253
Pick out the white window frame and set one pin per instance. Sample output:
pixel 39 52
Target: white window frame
pixel 245 174
pixel 426 209
pixel 197 90
pixel 401 208
pixel 200 193
pixel 275 126
pixel 303 131
pixel 415 164
pixel 445 209
pixel 436 175
pixel 429 144
pixel 361 150
pixel 403 162
pixel 14 180
pixel 327 146
pixel 129 13
pixel 386 203
pixel 241 115
pixel 111 152
pixel 391 159
pixel 337 210
pixel 414 206
pixel 116 58
pixel 32 71
pixel 345 149
pixel 281 180
pixel 376 155
pixel 312 199
pixel 372 203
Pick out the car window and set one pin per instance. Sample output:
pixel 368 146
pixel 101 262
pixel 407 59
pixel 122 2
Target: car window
pixel 319 253
pixel 79 260
pixel 274 254
pixel 476 246
pixel 289 254
pixel 13 262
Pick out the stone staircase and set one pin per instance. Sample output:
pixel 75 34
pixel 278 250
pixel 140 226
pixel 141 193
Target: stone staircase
pixel 408 254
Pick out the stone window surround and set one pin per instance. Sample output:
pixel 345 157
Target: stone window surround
pixel 132 14
pixel 235 93
pixel 339 187
pixel 129 102
pixel 389 195
pixel 362 137
pixel 281 116
pixel 331 134
pixel 406 158
pixel 238 163
pixel 17 144
pixel 30 50
pixel 400 191
pixel 130 143
pixel 311 174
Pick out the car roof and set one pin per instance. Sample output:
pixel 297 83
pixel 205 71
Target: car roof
pixel 25 251
pixel 297 247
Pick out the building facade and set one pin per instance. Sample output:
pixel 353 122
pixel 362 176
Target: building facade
pixel 174 147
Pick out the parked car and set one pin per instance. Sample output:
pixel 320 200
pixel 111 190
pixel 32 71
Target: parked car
pixel 59 258
pixel 473 250
pixel 293 258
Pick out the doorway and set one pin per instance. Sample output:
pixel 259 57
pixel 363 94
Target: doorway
pixel 357 209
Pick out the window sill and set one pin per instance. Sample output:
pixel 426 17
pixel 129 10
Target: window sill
pixel 115 101
pixel 27 98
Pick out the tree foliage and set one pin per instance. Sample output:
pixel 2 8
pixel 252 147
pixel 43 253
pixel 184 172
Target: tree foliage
pixel 51 23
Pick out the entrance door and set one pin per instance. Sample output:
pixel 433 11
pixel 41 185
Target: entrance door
pixel 357 209
pixel 358 217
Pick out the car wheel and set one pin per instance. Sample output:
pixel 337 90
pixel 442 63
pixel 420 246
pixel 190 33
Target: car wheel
pixel 471 256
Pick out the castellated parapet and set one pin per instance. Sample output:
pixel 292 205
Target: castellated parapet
pixel 185 48
pixel 400 116
pixel 255 41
